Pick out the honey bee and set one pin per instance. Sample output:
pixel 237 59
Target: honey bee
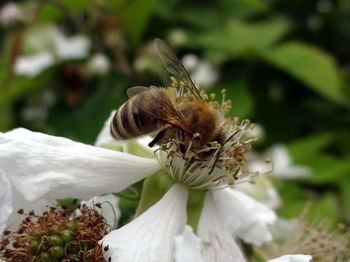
pixel 186 116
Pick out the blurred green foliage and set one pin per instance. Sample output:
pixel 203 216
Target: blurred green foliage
pixel 285 65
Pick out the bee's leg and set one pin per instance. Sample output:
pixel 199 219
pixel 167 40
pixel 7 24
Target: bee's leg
pixel 157 138
pixel 216 155
pixel 181 135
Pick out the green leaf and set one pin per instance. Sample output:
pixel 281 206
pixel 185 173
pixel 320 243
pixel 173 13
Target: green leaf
pixel 6 118
pixel 76 6
pixel 19 86
pixel 293 198
pixel 315 68
pixel 325 207
pixel 304 148
pixel 136 18
pixel 327 169
pixel 238 38
pixel 86 121
pixel 49 13
pixel 238 93
pixel 345 197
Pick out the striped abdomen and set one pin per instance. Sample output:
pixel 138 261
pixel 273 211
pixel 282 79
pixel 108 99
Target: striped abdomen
pixel 140 115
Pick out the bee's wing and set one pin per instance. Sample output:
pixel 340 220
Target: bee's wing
pixel 135 90
pixel 175 67
pixel 163 110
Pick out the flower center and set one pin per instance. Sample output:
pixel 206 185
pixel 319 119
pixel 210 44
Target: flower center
pixel 216 164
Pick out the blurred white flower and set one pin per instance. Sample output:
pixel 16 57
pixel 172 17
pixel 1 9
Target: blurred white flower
pixel 258 132
pixel 99 64
pixel 292 258
pixel 178 37
pixel 276 162
pixel 281 162
pixel 52 46
pixel 75 47
pixel 202 72
pixel 263 190
pixel 32 65
pixel 10 13
pixel 188 248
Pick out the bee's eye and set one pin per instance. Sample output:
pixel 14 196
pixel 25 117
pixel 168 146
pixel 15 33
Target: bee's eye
pixel 197 136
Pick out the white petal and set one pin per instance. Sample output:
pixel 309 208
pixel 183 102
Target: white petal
pixel 150 237
pixel 244 216
pixel 32 65
pixel 292 172
pixel 109 206
pixel 105 138
pixel 6 201
pixel 11 202
pixel 292 258
pixel 43 166
pixel 188 247
pixel 19 202
pixel 75 47
pixel 279 156
pixel 260 167
pixel 263 191
pixel 218 243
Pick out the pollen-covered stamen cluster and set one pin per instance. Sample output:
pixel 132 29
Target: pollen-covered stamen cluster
pixel 56 235
pixel 215 165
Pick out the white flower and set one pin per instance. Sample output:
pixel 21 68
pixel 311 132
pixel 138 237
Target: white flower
pixel 45 167
pixel 99 64
pixel 32 65
pixel 262 190
pixel 202 72
pixel 276 163
pixel 52 46
pixel 292 258
pixel 188 247
pixel 282 164
pixel 74 47
pixel 10 13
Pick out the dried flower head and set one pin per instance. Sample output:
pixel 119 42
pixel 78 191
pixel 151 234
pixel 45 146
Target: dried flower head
pixel 56 235
pixel 318 239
